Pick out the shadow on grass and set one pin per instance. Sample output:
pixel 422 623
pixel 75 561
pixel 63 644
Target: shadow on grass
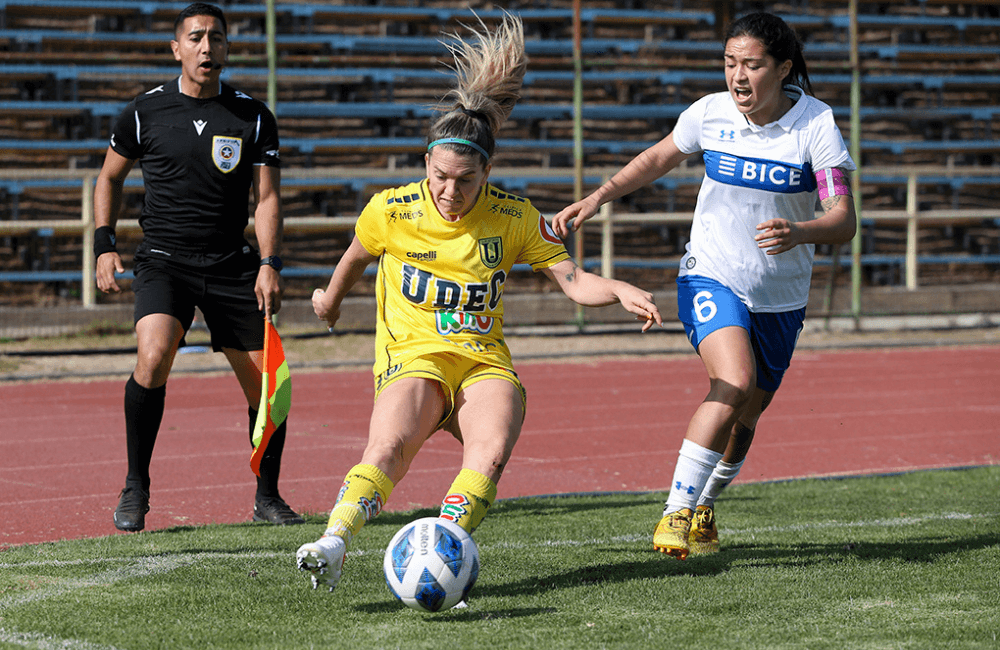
pixel 466 615
pixel 456 615
pixel 577 503
pixel 924 550
pixel 743 556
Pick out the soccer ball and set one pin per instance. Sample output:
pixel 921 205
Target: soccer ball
pixel 431 564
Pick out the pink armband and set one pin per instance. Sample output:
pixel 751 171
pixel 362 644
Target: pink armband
pixel 832 182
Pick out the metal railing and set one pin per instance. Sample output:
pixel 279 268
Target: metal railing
pixel 608 218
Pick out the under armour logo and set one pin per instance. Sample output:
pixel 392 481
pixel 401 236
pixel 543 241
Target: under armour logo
pixel 200 125
pixel 112 139
pixel 680 487
pixel 724 134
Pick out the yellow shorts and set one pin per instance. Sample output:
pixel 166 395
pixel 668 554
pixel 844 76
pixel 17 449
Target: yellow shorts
pixel 454 372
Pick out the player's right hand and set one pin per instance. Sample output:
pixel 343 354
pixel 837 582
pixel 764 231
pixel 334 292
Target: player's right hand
pixel 570 218
pixel 107 265
pixel 325 309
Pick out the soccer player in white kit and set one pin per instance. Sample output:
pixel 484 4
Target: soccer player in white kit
pixel 770 149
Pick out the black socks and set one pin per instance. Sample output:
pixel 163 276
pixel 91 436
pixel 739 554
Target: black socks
pixel 143 413
pixel 270 463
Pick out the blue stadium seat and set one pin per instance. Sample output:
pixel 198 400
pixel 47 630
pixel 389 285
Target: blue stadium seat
pixel 959 23
pixel 75 146
pixel 97 109
pixel 412 144
pixel 899 147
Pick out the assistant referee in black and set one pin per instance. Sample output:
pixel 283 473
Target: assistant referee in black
pixel 202 146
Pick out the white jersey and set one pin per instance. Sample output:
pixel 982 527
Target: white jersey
pixel 753 174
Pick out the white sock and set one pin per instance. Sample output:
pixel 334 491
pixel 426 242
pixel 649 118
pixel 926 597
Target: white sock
pixel 722 475
pixel 694 465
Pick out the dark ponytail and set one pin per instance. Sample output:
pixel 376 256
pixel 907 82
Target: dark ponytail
pixel 780 41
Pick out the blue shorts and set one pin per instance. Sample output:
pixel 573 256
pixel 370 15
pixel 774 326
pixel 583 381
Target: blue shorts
pixel 705 305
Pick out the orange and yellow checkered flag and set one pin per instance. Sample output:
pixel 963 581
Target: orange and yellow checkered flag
pixel 275 395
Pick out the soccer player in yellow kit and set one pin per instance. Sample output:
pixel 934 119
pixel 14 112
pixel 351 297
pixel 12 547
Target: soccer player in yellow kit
pixel 445 247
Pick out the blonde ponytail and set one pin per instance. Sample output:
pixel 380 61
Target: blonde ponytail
pixel 489 73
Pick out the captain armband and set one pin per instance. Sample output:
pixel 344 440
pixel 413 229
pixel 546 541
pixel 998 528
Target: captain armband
pixel 104 241
pixel 832 182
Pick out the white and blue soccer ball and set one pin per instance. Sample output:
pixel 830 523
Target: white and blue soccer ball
pixel 431 564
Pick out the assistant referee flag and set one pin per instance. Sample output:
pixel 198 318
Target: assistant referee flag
pixel 275 395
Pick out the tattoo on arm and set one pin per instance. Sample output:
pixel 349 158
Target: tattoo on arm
pixel 830 203
pixel 571 274
pixel 832 184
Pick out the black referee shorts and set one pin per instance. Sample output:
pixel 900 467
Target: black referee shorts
pixel 221 285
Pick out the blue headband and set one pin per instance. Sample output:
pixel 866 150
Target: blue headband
pixel 467 143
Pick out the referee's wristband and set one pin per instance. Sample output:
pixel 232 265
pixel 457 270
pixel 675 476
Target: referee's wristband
pixel 104 241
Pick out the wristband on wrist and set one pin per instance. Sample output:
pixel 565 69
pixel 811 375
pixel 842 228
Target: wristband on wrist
pixel 104 241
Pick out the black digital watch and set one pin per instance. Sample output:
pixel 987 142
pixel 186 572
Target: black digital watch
pixel 273 261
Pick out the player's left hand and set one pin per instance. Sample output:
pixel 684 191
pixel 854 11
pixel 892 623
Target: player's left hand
pixel 777 236
pixel 268 290
pixel 641 304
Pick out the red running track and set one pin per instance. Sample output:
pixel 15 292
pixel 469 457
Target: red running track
pixel 591 427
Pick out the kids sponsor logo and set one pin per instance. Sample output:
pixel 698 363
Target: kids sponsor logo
pixel 454 507
pixel 453 322
pixel 371 507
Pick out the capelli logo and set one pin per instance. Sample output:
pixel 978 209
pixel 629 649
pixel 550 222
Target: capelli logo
pixel 429 256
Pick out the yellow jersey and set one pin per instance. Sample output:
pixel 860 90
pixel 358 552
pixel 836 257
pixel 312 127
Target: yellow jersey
pixel 440 283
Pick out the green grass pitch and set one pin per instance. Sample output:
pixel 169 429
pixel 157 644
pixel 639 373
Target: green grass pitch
pixel 905 561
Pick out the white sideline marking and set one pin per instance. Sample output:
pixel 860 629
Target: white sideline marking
pixel 143 566
pixel 178 560
pixel 138 567
pixel 875 523
pixel 46 642
pixel 880 523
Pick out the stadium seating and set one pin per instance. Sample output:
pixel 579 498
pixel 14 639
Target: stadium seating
pixel 357 84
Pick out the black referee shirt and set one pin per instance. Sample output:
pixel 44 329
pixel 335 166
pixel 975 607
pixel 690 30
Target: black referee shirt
pixel 197 158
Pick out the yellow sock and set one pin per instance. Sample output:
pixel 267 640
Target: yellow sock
pixel 469 497
pixel 366 489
